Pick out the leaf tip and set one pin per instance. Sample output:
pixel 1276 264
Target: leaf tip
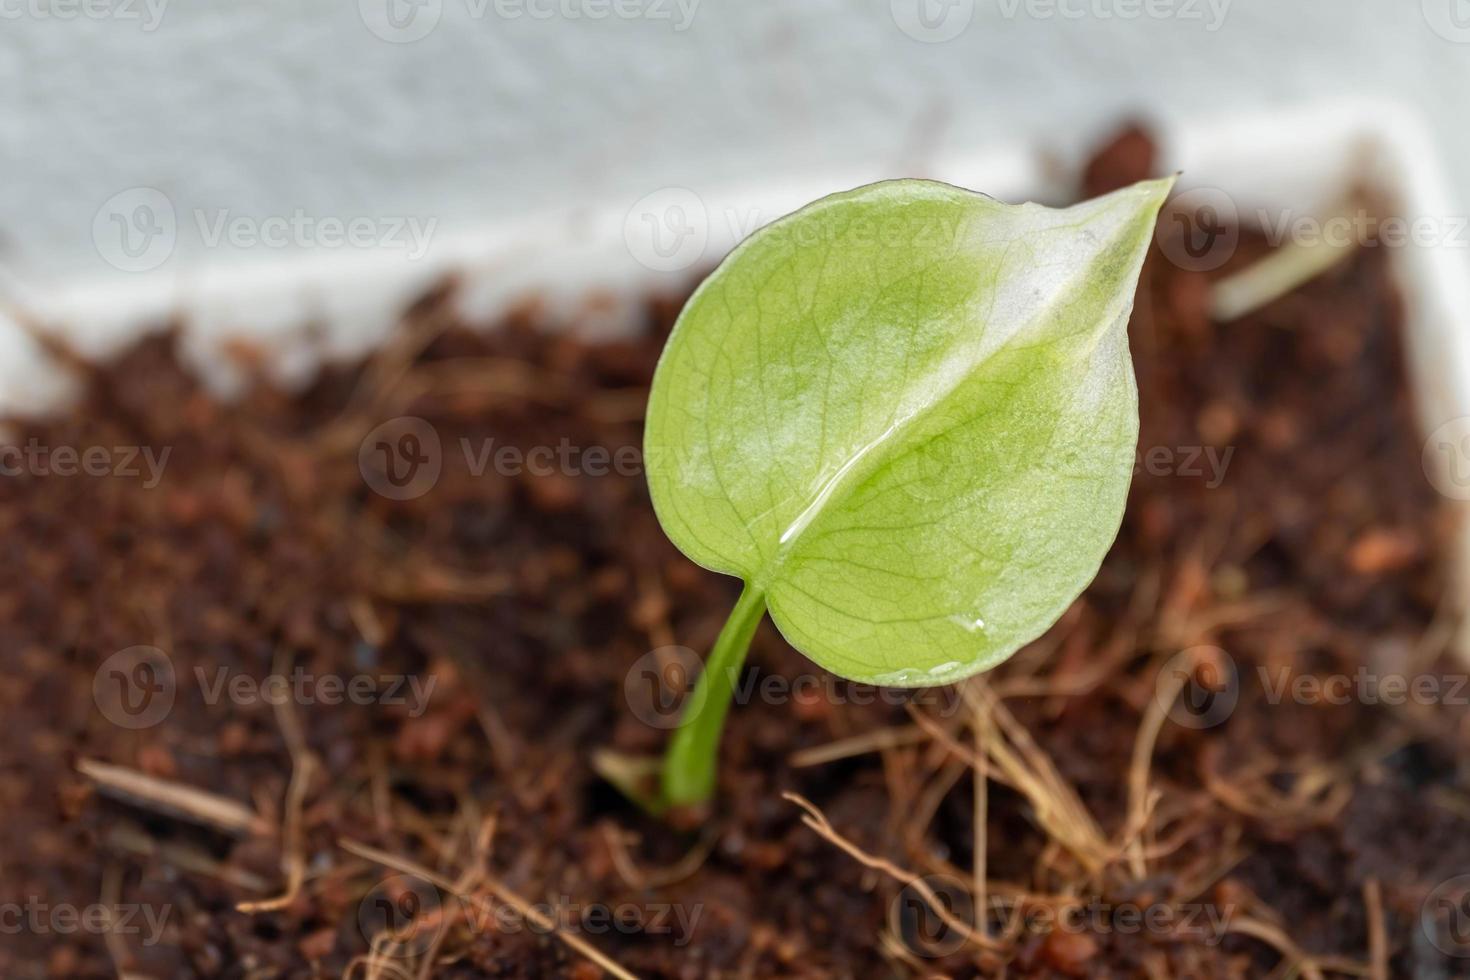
pixel 1156 190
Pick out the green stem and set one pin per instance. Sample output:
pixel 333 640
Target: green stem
pixel 692 757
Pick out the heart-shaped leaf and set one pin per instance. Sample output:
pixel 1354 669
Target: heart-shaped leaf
pixel 906 416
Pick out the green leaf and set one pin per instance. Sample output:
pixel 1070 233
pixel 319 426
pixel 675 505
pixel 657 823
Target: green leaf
pixel 906 416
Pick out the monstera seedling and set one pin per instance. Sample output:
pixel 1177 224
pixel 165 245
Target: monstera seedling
pixel 905 416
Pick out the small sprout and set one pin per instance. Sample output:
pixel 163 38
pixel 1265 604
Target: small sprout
pixel 906 417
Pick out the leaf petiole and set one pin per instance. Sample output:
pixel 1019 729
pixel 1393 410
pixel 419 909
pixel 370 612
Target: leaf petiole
pixel 692 756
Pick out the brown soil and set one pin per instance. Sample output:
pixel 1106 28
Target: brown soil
pixel 1315 830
